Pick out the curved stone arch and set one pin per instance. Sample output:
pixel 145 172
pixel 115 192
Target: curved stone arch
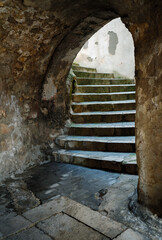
pixel 147 49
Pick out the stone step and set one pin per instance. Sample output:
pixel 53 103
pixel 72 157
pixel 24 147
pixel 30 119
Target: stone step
pixel 83 69
pixel 103 106
pixel 103 81
pixel 105 88
pixel 102 129
pixel 102 117
pixel 93 74
pixel 111 161
pixel 116 96
pixel 93 143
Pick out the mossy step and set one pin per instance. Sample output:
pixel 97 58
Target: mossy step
pixel 93 74
pixel 103 81
pixel 111 161
pixel 105 88
pixel 83 69
pixel 93 143
pixel 102 117
pixel 102 129
pixel 116 96
pixel 103 106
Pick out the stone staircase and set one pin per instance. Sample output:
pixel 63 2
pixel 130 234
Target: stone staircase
pixel 101 132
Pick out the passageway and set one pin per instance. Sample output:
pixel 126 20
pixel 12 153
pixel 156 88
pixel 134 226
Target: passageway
pixel 39 41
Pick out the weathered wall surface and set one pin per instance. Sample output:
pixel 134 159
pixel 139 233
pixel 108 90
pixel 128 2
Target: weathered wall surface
pixel 148 42
pixel 27 40
pixel 111 49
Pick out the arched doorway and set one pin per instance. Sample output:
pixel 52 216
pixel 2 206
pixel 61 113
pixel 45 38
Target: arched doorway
pixel 146 75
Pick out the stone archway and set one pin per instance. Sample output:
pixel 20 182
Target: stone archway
pixel 148 53
pixel 50 34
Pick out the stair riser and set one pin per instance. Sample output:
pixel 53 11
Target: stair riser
pixel 101 131
pixel 96 164
pixel 115 97
pixel 96 146
pixel 103 107
pixel 103 118
pixel 93 75
pixel 83 69
pixel 105 89
pixel 103 82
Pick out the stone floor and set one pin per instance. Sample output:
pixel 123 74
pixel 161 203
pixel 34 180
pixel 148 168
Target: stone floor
pixel 61 201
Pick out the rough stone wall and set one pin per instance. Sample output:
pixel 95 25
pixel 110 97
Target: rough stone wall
pixel 148 41
pixel 28 38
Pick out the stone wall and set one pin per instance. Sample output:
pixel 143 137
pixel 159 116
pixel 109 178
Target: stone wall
pixel 28 38
pixel 148 39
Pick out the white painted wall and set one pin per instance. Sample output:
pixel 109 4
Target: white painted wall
pixel 111 49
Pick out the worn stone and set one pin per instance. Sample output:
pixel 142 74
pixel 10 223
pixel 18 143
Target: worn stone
pixel 63 227
pixel 93 219
pixel 32 233
pixel 89 187
pixel 5 129
pixel 130 234
pixel 112 204
pixel 47 210
pixel 120 204
pixel 22 198
pixel 12 225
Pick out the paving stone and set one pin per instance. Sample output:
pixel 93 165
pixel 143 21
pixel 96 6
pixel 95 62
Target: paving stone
pixel 48 209
pixel 95 220
pixel 130 234
pixel 12 225
pixel 30 234
pixel 63 227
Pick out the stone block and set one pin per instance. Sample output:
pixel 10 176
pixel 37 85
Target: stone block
pixel 130 234
pixel 12 225
pixel 95 220
pixel 48 209
pixel 63 227
pixel 32 233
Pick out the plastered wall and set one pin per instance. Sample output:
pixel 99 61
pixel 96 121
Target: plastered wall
pixel 111 49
